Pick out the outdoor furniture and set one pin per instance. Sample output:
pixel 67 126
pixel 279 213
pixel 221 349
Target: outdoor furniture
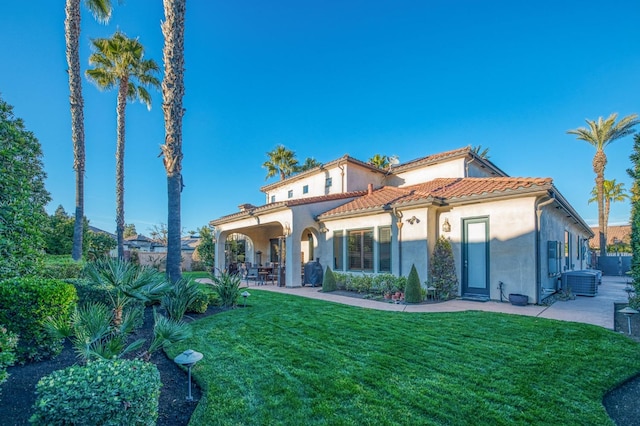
pixel 252 274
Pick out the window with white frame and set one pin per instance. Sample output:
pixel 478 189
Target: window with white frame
pixel 360 250
pixel 305 189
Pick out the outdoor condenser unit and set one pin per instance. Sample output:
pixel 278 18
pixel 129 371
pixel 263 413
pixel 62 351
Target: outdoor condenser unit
pixel 581 283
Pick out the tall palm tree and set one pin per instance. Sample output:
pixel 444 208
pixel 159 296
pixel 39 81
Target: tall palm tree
pixel 614 192
pixel 599 134
pixel 101 10
pixel 172 93
pixel 380 161
pixel 309 163
pixel 119 62
pixel 282 161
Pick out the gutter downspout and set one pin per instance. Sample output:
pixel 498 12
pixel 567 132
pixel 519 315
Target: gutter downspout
pixel 538 230
pixel 398 214
pixel 341 167
pixel 466 167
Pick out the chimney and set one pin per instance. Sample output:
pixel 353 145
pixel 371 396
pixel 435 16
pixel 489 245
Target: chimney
pixel 246 207
pixel 370 189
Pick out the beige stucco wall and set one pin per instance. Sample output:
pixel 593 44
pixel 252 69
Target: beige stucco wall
pixel 455 168
pixel 511 242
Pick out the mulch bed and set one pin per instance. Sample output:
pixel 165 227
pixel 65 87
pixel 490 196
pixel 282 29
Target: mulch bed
pixel 17 394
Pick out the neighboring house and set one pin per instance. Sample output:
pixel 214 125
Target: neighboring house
pixel 357 218
pixel 154 253
pixel 143 244
pixel 616 234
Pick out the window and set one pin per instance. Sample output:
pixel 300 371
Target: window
pixel 290 193
pixel 384 249
pixel 360 250
pixel 305 189
pixel 553 257
pixel 338 244
pixel 567 250
pixel 328 182
pixel 273 198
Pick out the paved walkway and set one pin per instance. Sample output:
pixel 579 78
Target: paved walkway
pixel 596 310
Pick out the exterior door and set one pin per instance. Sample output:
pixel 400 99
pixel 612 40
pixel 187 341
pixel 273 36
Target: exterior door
pixel 475 257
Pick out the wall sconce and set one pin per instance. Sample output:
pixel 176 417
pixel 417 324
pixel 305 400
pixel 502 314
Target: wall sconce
pixel 323 228
pixel 446 226
pixel 413 220
pixel 286 231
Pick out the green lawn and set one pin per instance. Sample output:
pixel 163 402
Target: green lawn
pixel 195 274
pixel 295 361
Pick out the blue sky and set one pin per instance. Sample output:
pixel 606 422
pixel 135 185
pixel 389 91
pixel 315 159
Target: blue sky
pixel 328 78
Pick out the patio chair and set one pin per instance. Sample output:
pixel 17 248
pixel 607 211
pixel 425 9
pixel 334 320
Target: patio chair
pixel 252 274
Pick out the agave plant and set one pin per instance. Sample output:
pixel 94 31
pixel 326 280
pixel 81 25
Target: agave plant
pixel 127 282
pixel 180 297
pixel 165 332
pixel 227 287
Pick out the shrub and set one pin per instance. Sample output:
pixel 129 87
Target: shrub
pixel 89 292
pixel 329 281
pixel 183 294
pixel 202 300
pixel 121 392
pixel 443 270
pixel 412 291
pixel 61 267
pixel 8 342
pixel 227 287
pixel 25 304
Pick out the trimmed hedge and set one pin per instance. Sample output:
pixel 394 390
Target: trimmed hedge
pixel 88 292
pixel 412 292
pixel 25 304
pixel 8 343
pixel 120 392
pixel 61 267
pixel 329 281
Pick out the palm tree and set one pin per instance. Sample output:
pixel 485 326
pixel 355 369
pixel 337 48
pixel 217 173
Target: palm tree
pixel 599 134
pixel 482 153
pixel 101 10
pixel 380 161
pixel 172 93
pixel 119 62
pixel 613 192
pixel 309 163
pixel 281 161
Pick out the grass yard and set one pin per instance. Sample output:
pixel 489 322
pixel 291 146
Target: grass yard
pixel 295 361
pixel 192 275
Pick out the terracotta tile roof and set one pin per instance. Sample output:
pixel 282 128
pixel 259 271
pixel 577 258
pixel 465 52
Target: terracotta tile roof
pixel 620 232
pixel 439 191
pixel 288 203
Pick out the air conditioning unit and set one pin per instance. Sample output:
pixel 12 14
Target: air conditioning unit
pixel 581 283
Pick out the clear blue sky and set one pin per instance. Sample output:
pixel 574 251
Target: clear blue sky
pixel 327 78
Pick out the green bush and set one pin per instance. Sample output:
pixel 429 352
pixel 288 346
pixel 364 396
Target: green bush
pixel 183 294
pixel 328 281
pixel 121 392
pixel 412 292
pixel 89 292
pixel 61 267
pixel 8 342
pixel 202 300
pixel 25 305
pixel 443 270
pixel 227 287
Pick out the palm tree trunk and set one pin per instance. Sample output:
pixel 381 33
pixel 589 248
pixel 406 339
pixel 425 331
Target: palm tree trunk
pixel 72 34
pixel 172 93
pixel 599 163
pixel 122 103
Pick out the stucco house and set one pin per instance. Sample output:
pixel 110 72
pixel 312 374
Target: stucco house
pixel 357 218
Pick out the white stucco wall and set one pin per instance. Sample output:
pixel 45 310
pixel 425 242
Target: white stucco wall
pixel 449 169
pixel 511 243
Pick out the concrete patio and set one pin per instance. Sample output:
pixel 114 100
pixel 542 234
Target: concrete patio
pixel 598 310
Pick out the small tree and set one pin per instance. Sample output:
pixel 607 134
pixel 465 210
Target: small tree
pixel 329 281
pixel 206 248
pixel 634 173
pixel 443 270
pixel 22 197
pixel 413 291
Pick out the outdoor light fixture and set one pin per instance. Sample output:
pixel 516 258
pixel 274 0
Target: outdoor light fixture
pixel 446 226
pixel 286 231
pixel 188 358
pixel 629 289
pixel 628 312
pixel 413 220
pixel 245 294
pixel 323 228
